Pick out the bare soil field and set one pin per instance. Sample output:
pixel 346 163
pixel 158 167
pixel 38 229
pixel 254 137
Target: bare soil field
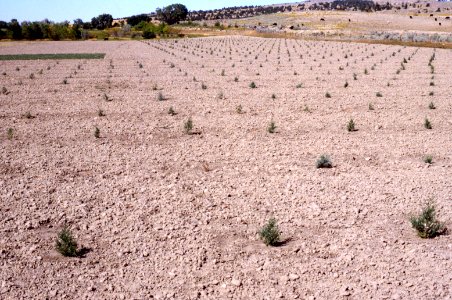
pixel 167 215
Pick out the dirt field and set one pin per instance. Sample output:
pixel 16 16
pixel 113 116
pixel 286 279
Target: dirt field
pixel 168 215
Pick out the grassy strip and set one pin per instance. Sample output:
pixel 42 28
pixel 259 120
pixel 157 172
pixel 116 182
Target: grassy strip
pixel 52 56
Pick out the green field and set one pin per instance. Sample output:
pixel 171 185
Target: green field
pixel 52 56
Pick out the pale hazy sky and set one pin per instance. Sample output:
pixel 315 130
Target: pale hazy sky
pixel 60 10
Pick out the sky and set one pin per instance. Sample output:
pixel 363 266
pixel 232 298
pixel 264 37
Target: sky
pixel 60 10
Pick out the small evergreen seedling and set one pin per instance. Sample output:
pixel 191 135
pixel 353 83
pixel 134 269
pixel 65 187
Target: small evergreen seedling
pixel 236 79
pixel 252 85
pixel 378 94
pixel 4 91
pixel 101 113
pixel 426 224
pixel 324 162
pixel 203 86
pixel 10 133
pixel 427 124
pixel 327 95
pixel 371 107
pixel 106 98
pixel 188 126
pixel 270 234
pixel 66 243
pixel 171 111
pixel 271 127
pixel 431 93
pixel 239 109
pixel 160 96
pixel 428 159
pixel 351 126
pixel 346 84
pixel 154 87
pixel 97 133
pixel 366 72
pixel 273 96
pixel 432 105
pixel 355 77
pixel 299 86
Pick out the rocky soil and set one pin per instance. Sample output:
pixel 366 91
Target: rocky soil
pixel 169 215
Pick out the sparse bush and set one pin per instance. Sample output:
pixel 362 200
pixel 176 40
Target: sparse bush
pixel 97 133
pixel 270 233
pixel 428 159
pixel 188 126
pixel 252 85
pixel 351 126
pixel 271 127
pixel 426 224
pixel 324 162
pixel 327 95
pixel 65 243
pixel 427 124
pixel 432 105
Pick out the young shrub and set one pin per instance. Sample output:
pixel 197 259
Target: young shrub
pixel 101 113
pixel 4 91
pixel 378 94
pixel 222 72
pixel 252 85
pixel 97 133
pixel 239 109
pixel 10 133
pixel 371 107
pixel 431 93
pixel 106 98
pixel 273 96
pixel 355 77
pixel 155 87
pixel 220 95
pixel 428 159
pixel 324 162
pixel 426 224
pixel 427 124
pixel 32 76
pixel 188 126
pixel 160 97
pixel 203 86
pixel 65 81
pixel 171 111
pixel 351 126
pixel 270 233
pixel 432 105
pixel 327 95
pixel 28 115
pixel 271 127
pixel 236 79
pixel 65 243
pixel 432 83
pixel 346 84
pixel 366 72
pixel 299 86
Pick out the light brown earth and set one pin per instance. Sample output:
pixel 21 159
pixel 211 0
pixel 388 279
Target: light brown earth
pixel 174 216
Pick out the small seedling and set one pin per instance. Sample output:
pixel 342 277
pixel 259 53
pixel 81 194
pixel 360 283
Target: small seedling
pixel 203 86
pixel 346 84
pixel 220 95
pixel 428 159
pixel 299 86
pixel 432 105
pixel 97 133
pixel 371 107
pixel 188 126
pixel 106 98
pixel 252 85
pixel 271 127
pixel 65 243
pixel 10 133
pixel 324 162
pixel 426 224
pixel 366 72
pixel 154 87
pixel 32 76
pixel 101 113
pixel 431 93
pixel 355 77
pixel 239 109
pixel 432 83
pixel 171 111
pixel 327 95
pixel 270 233
pixel 351 126
pixel 160 97
pixel 378 94
pixel 4 91
pixel 28 115
pixel 427 124
pixel 65 81
pixel 222 72
pixel 273 96
pixel 236 79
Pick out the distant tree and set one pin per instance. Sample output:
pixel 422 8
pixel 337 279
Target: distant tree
pixel 135 20
pixel 16 29
pixel 3 29
pixel 31 31
pixel 78 22
pixel 172 14
pixel 102 21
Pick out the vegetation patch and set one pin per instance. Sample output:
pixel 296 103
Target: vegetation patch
pixel 52 56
